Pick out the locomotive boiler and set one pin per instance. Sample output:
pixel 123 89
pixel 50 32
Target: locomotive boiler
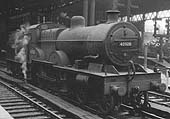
pixel 114 43
pixel 94 64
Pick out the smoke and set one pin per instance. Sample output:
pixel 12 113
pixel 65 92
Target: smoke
pixel 20 45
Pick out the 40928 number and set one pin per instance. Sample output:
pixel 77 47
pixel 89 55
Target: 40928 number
pixel 125 44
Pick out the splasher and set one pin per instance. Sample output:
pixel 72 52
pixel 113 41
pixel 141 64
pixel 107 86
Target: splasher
pixel 21 42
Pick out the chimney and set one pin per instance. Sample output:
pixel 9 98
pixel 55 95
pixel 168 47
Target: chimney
pixel 112 16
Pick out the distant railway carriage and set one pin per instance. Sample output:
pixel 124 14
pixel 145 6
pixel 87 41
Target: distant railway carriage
pixel 94 63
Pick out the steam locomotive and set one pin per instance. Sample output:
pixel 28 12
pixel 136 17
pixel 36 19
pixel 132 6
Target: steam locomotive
pixel 94 64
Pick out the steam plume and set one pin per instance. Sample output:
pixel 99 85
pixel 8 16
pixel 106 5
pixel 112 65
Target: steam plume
pixel 20 45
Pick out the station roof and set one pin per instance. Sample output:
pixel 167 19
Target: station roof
pixel 145 6
pixel 17 6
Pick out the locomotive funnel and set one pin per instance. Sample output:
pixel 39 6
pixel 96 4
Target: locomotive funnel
pixel 112 16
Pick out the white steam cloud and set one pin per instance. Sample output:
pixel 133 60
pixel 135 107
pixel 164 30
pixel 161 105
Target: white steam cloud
pixel 21 41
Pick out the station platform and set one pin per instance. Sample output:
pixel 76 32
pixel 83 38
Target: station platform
pixel 4 114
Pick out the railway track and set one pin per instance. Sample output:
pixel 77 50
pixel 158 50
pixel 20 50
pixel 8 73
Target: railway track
pixel 160 106
pixel 162 102
pixel 147 114
pixel 2 64
pixel 161 99
pixel 22 105
pixel 144 114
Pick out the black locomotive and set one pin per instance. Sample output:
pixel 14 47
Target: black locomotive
pixel 94 64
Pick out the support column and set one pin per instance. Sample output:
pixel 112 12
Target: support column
pixel 128 9
pixel 44 20
pixel 38 19
pixel 85 11
pixel 92 12
pixel 161 50
pixel 145 45
pixel 145 55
